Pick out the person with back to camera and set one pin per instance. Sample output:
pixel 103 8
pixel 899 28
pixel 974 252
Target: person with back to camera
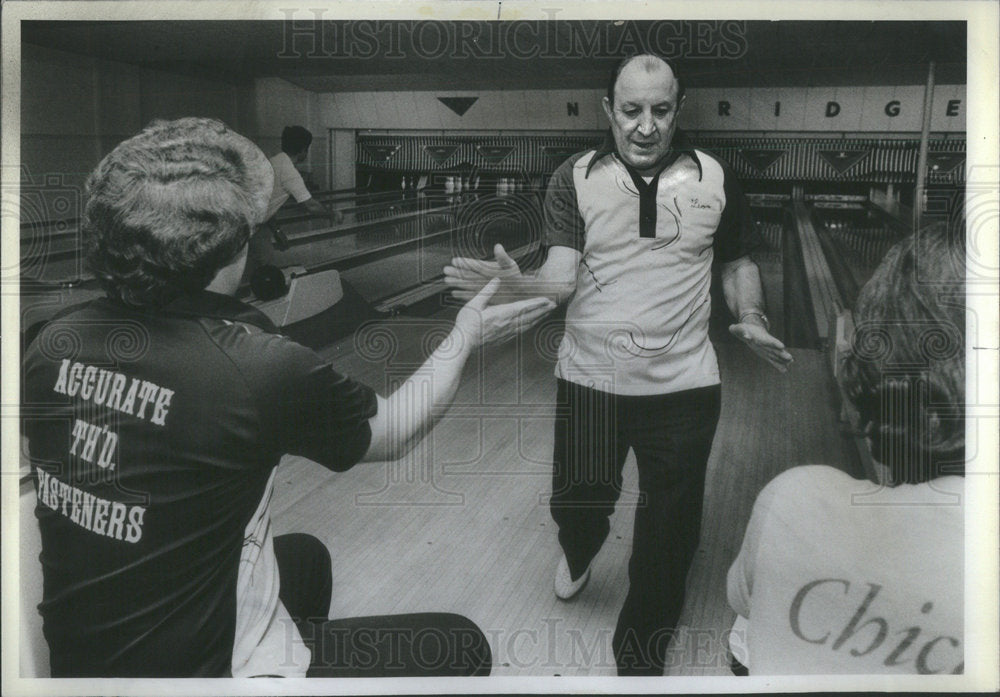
pixel 295 143
pixel 288 183
pixel 156 417
pixel 837 575
pixel 633 229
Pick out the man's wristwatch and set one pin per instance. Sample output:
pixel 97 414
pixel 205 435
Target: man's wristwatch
pixel 763 317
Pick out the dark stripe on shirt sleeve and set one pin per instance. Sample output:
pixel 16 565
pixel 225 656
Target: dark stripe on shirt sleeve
pixel 563 225
pixel 736 235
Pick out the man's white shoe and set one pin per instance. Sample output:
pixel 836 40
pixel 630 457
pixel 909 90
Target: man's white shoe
pixel 565 586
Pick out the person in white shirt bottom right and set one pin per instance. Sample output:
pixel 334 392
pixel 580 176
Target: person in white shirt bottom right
pixel 844 576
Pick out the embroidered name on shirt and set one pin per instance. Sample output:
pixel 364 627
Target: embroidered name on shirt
pixel 695 203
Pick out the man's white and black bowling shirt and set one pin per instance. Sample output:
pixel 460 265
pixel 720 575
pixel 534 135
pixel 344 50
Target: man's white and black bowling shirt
pixel 154 437
pixel 638 321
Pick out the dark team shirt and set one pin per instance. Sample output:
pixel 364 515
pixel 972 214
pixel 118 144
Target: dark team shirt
pixel 153 437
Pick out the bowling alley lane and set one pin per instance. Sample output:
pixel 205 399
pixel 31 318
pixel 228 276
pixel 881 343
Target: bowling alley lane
pixel 842 137
pixel 411 534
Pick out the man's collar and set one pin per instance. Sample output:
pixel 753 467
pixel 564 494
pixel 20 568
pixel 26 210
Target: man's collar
pixel 679 145
pixel 205 303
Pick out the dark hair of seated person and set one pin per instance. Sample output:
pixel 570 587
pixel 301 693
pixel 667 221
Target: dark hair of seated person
pixel 171 206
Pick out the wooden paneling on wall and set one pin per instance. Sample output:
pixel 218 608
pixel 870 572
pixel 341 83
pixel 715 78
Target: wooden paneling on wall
pixel 75 109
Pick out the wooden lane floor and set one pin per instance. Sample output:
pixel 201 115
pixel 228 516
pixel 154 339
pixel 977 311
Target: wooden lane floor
pixel 462 524
pixel 769 423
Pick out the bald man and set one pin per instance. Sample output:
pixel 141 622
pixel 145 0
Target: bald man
pixel 633 229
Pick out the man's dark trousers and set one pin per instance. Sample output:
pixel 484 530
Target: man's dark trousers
pixel 418 644
pixel 672 436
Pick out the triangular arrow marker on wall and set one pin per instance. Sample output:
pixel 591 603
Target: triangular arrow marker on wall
pixel 459 105
pixel 381 153
pixel 494 154
pixel 560 152
pixel 440 153
pixel 761 159
pixel 942 162
pixel 843 160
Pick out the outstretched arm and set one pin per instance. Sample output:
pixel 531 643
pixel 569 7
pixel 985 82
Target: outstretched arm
pixel 317 208
pixel 555 279
pixel 562 234
pixel 745 298
pixel 406 416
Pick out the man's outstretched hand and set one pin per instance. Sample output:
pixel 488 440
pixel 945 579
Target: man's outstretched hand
pixel 466 276
pixel 763 344
pixel 480 323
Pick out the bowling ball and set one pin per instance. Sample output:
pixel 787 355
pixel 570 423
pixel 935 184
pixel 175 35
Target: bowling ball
pixel 268 282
